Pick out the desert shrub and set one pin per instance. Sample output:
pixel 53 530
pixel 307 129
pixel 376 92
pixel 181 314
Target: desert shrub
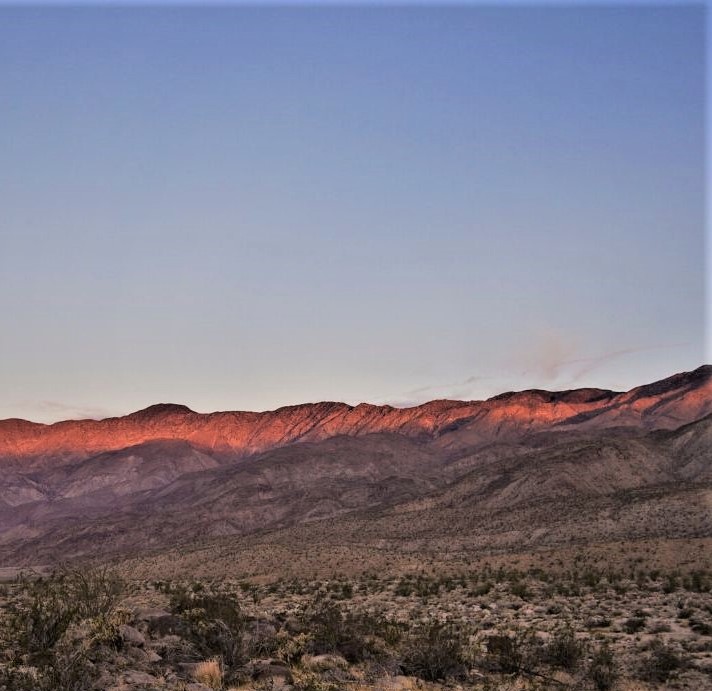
pixel 434 651
pixel 425 587
pixel 262 641
pixel 634 624
pixel 598 622
pixel 563 650
pixel 213 623
pixel 481 589
pixel 347 591
pixel 698 582
pixel 95 592
pixel 701 627
pixel 209 672
pixel 404 587
pixel 504 654
pixel 332 631
pixel 325 622
pixel 38 619
pixel 659 627
pixel 391 632
pixel 660 663
pixel 291 649
pixel 73 646
pixel 670 585
pixel 44 609
pixel 685 612
pixel 63 670
pixel 602 670
pixel 519 589
pixel 306 680
pixel 591 578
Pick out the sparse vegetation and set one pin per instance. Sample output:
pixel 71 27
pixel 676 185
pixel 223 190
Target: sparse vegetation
pixel 56 628
pixel 76 631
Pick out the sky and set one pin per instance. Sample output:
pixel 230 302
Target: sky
pixel 240 207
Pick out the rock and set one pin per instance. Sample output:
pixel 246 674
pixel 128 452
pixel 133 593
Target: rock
pixel 135 678
pixel 137 655
pixel 131 635
pixel 272 671
pixel 152 613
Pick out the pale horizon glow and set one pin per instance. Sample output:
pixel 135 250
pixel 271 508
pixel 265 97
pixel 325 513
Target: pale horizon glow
pixel 241 208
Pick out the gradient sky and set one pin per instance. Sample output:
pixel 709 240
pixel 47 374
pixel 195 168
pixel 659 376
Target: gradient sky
pixel 242 208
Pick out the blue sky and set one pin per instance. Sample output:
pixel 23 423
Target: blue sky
pixel 241 207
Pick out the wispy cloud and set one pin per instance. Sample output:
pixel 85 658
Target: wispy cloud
pixel 462 390
pixel 555 357
pixel 544 355
pixel 548 363
pixel 590 364
pixel 66 411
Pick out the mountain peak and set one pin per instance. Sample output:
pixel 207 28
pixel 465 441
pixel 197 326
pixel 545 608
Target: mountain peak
pixel 162 410
pixel 682 380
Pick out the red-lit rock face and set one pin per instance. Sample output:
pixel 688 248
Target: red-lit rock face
pixel 665 404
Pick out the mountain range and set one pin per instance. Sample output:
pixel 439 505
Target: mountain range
pixel 521 471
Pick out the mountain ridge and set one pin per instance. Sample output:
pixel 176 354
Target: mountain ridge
pixel 166 474
pixel 237 434
pixel 700 373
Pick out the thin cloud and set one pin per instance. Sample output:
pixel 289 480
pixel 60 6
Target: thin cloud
pixel 550 365
pixel 453 390
pixel 67 411
pixel 593 363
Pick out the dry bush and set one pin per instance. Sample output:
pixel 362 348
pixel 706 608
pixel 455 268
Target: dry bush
pixel 56 627
pixel 661 663
pixel 563 650
pixel 602 670
pixel 209 672
pixel 213 623
pixel 435 651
